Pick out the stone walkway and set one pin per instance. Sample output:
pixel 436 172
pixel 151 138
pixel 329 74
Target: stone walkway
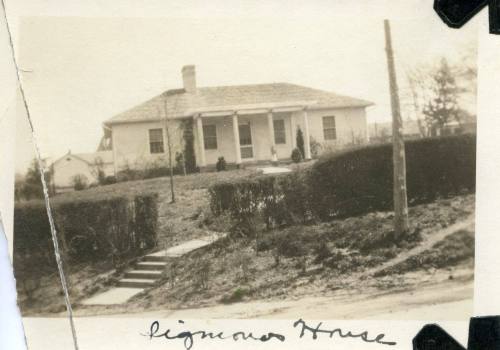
pixel 145 273
pixel 274 170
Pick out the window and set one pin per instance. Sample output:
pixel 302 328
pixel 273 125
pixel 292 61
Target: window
pixel 156 141
pixel 210 136
pixel 329 130
pixel 279 131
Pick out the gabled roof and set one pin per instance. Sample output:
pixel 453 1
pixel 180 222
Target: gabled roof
pixel 181 104
pixel 90 158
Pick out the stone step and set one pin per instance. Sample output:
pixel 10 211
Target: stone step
pixel 150 265
pixel 153 257
pixel 136 283
pixel 145 274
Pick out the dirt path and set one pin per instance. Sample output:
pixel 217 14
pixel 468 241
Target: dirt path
pixel 428 242
pixel 450 300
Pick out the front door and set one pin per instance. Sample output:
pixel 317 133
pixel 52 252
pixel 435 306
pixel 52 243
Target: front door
pixel 246 146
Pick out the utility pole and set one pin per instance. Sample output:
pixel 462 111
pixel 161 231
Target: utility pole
pixel 401 226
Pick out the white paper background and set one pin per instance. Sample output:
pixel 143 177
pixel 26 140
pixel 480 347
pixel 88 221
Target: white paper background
pixel 123 333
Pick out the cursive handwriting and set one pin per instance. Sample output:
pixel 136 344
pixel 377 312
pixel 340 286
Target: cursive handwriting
pixel 317 330
pixel 188 336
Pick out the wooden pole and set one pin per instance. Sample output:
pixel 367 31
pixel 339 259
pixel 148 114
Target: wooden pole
pixel 401 226
pixel 169 145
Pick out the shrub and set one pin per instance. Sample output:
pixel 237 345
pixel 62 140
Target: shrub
pixel 221 164
pixel 290 246
pixel 315 147
pixel 126 173
pixel 109 180
pixel 360 180
pixel 89 231
pixel 296 155
pixel 189 154
pixel 30 185
pixel 79 182
pixel 240 198
pixel 32 240
pixel 237 295
pixel 322 252
pixel 155 169
pixel 294 190
pixel 149 170
pixel 299 139
pixel 276 200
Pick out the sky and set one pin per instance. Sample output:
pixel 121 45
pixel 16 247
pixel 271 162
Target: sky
pixel 78 72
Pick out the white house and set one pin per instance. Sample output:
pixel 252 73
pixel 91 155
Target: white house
pixel 244 123
pixel 86 165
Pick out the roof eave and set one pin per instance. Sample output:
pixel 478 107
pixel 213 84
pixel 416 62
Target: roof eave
pixel 110 123
pixel 342 106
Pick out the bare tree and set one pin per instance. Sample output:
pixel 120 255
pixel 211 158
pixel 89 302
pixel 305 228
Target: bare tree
pixel 417 80
pixel 169 145
pixel 97 170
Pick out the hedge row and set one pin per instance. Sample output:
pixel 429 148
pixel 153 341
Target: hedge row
pixel 279 199
pixel 351 182
pixel 89 231
pixel 361 180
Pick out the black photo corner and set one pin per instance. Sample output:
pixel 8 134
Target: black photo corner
pixel 455 13
pixel 484 334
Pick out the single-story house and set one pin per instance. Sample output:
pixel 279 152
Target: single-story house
pixel 244 123
pixel 87 166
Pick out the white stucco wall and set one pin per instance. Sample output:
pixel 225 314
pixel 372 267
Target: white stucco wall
pixel 131 141
pixel 351 125
pixel 67 167
pixel 131 144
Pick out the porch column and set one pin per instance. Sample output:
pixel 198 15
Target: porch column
pixel 307 144
pixel 201 141
pixel 293 129
pixel 272 143
pixel 236 135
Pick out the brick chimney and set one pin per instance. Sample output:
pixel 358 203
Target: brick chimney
pixel 189 78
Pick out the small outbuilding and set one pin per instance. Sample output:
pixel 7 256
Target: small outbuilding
pixel 83 168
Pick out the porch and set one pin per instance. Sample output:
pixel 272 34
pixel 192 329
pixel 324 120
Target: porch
pixel 250 134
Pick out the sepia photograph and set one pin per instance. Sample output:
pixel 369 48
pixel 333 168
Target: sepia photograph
pixel 246 168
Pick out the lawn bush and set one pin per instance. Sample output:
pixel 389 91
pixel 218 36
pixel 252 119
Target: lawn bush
pixel 89 231
pixel 150 170
pixel 221 164
pixel 33 248
pixel 237 295
pixel 275 200
pixel 296 155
